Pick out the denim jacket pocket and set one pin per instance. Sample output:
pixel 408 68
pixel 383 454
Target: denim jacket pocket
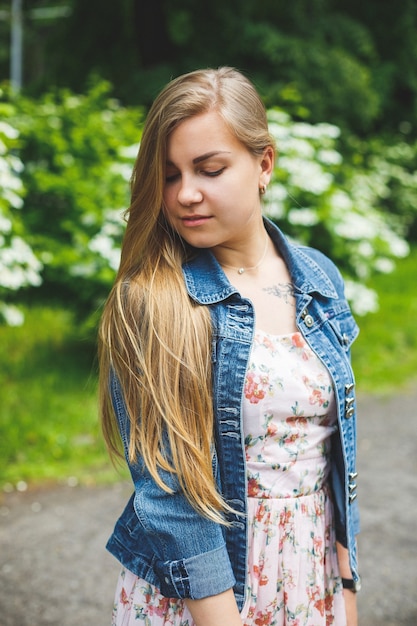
pixel 345 328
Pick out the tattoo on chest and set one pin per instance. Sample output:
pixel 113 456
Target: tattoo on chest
pixel 285 291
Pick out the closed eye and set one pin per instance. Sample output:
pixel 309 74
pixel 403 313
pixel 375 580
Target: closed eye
pixel 172 178
pixel 215 173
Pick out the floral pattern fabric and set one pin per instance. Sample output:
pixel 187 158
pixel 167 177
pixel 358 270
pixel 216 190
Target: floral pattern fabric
pixel 289 416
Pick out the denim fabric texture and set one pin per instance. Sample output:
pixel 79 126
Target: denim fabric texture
pixel 159 536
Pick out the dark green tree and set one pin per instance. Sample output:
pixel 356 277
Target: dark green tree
pixel 351 63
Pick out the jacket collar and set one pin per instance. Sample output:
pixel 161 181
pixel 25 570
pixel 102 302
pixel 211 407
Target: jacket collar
pixel 207 283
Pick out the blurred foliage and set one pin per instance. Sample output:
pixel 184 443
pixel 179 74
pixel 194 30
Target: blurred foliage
pixel 76 188
pixel 358 214
pixel 353 64
pixel 18 265
pixel 392 165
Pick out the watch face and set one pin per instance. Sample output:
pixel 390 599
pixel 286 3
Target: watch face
pixel 352 585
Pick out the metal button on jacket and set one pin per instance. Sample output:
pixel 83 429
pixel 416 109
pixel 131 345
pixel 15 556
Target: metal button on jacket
pixel 307 318
pixel 352 486
pixel 349 387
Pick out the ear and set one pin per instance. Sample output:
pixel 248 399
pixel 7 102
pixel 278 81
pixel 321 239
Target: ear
pixel 267 165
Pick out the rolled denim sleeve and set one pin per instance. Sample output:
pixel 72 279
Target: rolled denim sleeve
pixel 191 555
pixel 187 551
pixel 198 577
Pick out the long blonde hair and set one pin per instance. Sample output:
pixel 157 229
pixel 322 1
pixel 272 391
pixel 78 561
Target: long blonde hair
pixel 152 335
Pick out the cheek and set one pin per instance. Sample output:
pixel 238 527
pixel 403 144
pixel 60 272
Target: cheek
pixel 166 195
pixel 168 200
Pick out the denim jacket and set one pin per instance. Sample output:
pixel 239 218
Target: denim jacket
pixel 159 536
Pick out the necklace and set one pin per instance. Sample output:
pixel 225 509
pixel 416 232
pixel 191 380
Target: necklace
pixel 241 270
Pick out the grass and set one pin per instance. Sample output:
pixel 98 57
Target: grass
pixel 49 430
pixel 385 354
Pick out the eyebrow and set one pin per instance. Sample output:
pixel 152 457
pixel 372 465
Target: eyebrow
pixel 205 157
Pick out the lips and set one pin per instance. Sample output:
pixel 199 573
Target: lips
pixel 195 220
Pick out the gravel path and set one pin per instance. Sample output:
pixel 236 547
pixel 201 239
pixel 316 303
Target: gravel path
pixel 54 568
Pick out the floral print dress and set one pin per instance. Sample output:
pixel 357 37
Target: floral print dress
pixel 289 416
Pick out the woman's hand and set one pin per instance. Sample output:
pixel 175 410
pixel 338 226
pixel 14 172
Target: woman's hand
pixel 349 596
pixel 219 610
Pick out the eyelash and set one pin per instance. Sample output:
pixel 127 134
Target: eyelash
pixel 216 173
pixel 173 178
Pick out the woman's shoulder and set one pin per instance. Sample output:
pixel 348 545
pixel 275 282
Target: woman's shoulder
pixel 326 265
pixel 319 257
pixel 306 260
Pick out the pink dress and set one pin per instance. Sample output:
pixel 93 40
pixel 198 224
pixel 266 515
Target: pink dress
pixel 293 579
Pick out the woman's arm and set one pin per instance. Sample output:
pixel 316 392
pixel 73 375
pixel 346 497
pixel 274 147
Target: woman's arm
pixel 349 596
pixel 219 610
pixel 188 551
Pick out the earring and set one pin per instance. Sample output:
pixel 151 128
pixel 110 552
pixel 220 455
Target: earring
pixel 262 190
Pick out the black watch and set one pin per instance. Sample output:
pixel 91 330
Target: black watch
pixel 352 585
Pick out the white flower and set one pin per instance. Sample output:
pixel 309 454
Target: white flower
pixel 84 270
pixel 328 130
pixel 5 225
pixel 301 129
pixel 279 132
pixel 129 152
pixel 366 249
pixel 15 163
pixel 384 265
pixel 329 157
pixel 306 175
pixel 316 131
pixel 12 198
pixel 104 246
pixel 8 131
pixel 72 102
pixel 123 169
pixel 399 247
pixel 280 117
pixel 299 147
pixel 363 300
pixel 355 226
pixel 274 210
pixel 341 201
pixel 11 314
pixel 274 200
pixel 276 193
pixel 19 266
pixel 303 216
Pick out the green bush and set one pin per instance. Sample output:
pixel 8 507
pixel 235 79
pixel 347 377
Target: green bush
pixel 76 188
pixel 392 165
pixel 18 265
pixel 329 202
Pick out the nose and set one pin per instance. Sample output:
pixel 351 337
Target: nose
pixel 189 193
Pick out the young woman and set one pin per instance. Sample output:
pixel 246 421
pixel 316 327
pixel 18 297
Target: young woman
pixel 225 372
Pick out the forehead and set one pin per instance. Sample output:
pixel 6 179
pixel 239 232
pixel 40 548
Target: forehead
pixel 200 134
